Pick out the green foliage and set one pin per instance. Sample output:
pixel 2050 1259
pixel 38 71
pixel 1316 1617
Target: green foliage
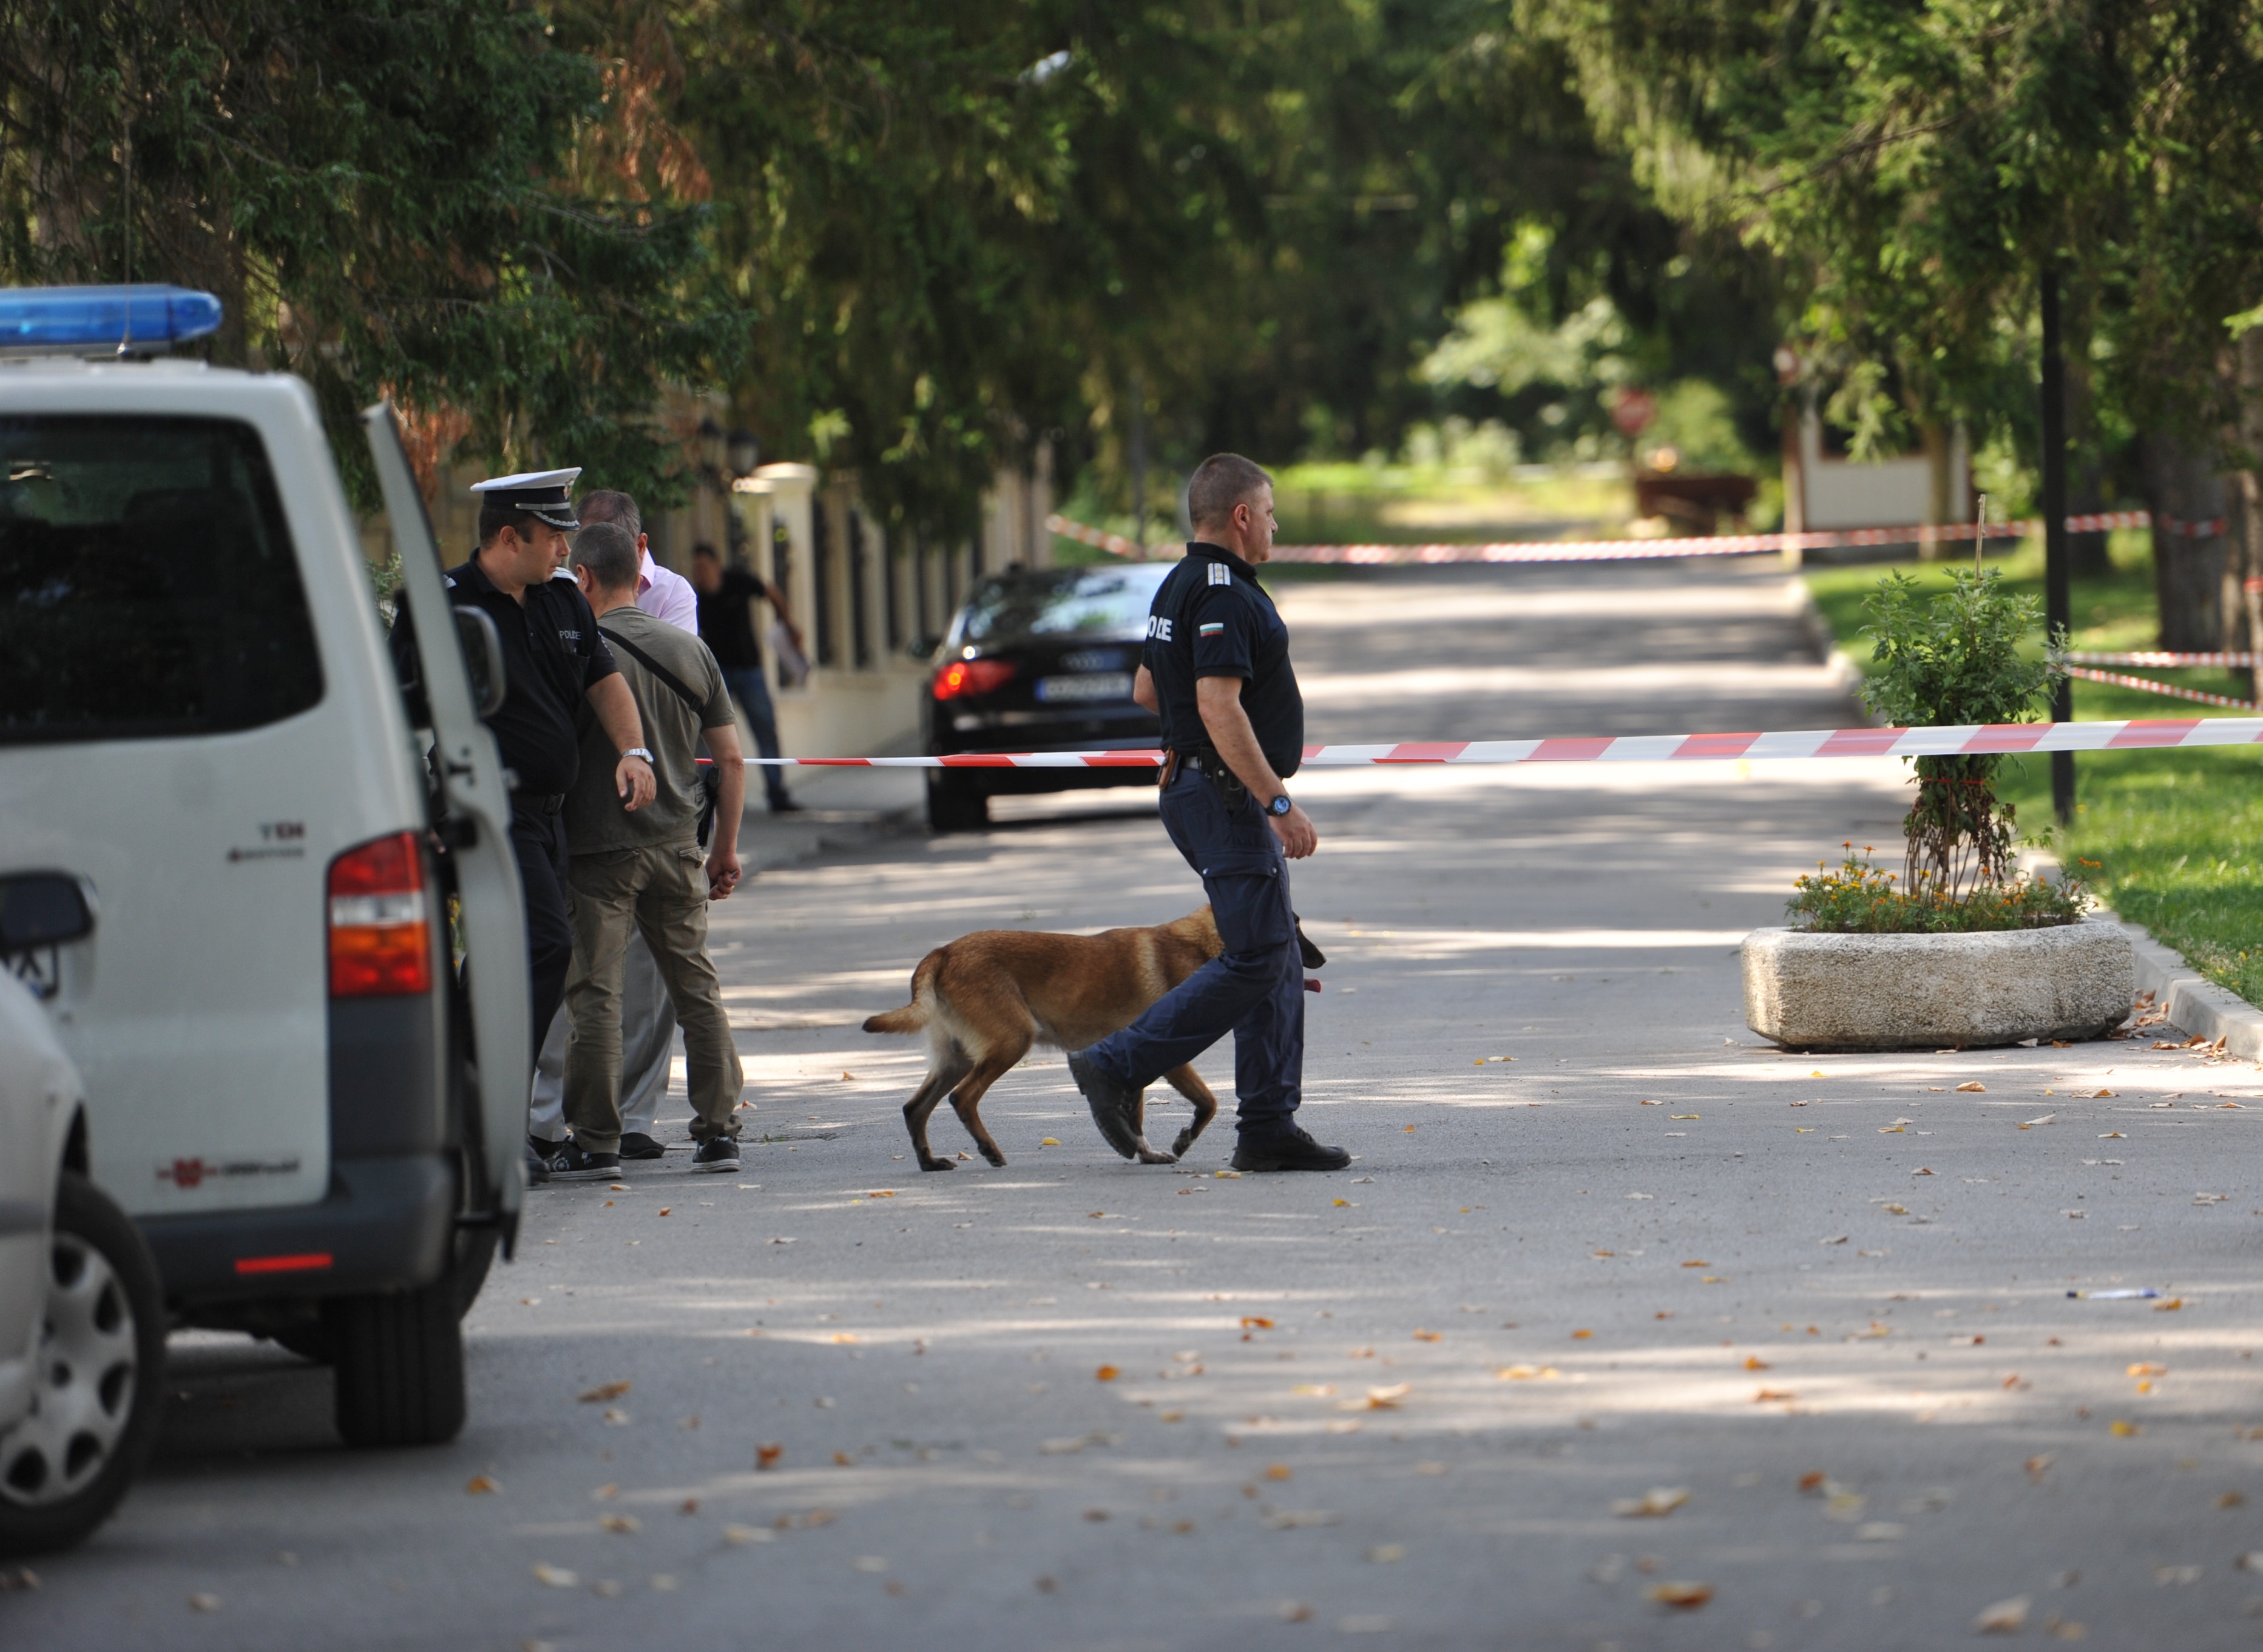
pixel 1955 659
pixel 384 196
pixel 1858 899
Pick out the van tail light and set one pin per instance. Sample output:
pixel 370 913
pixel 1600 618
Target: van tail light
pixel 380 925
pixel 962 677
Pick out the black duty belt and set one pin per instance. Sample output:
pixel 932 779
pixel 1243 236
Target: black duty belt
pixel 538 802
pixel 1215 767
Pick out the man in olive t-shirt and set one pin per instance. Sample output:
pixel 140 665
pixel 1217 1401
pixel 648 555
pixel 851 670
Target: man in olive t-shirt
pixel 644 870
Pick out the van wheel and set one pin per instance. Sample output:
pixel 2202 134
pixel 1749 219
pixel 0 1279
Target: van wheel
pixel 399 1356
pixel 475 1252
pixel 956 804
pixel 100 1379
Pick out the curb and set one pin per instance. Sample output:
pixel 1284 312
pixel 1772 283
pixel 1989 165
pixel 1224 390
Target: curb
pixel 2194 1005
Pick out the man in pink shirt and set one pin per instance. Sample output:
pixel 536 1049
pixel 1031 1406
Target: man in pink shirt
pixel 647 1017
pixel 663 594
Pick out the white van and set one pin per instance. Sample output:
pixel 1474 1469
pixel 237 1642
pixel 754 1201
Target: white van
pixel 313 1117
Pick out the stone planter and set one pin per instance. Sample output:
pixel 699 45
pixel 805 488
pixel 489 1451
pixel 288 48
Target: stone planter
pixel 1808 989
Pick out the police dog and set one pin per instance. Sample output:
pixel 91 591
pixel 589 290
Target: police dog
pixel 984 998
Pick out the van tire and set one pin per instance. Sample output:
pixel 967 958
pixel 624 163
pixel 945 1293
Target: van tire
pixel 475 1253
pixel 399 1359
pixel 956 803
pixel 103 1297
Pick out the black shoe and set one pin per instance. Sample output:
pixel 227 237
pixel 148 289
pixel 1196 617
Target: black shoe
pixel 569 1164
pixel 716 1152
pixel 1115 1109
pixel 637 1145
pixel 538 1153
pixel 1292 1150
pixel 785 806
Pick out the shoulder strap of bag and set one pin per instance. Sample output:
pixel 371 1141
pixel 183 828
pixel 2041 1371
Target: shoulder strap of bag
pixel 698 706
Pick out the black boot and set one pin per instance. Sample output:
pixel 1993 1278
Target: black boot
pixel 1287 1150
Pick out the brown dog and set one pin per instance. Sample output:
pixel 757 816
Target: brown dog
pixel 984 999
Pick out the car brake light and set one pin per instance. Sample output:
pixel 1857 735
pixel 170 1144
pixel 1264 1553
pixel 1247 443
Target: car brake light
pixel 380 936
pixel 971 677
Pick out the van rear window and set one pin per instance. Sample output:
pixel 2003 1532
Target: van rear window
pixel 147 585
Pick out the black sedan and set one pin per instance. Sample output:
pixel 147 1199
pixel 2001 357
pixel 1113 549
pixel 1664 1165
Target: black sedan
pixel 1039 660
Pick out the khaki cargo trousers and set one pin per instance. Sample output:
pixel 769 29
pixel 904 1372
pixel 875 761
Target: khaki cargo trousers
pixel 661 892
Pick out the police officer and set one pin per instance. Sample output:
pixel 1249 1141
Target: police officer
pixel 1217 670
pixel 554 661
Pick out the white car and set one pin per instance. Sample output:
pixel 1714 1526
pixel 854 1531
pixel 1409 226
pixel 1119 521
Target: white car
pixel 312 1116
pixel 82 1320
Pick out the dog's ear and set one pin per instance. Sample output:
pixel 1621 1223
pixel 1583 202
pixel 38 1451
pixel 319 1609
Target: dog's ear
pixel 1313 957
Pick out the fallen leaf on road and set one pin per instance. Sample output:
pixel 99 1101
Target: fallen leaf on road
pixel 1386 1553
pixel 1049 1142
pixel 1768 1394
pixel 739 1536
pixel 1681 1596
pixel 847 1077
pixel 479 1483
pixel 1835 1239
pixel 844 1335
pixel 1753 1362
pixel 1279 1471
pixel 1895 1210
pixel 555 1576
pixel 2177 1577
pixel 2006 1617
pixel 1697 1264
pixel 616 1417
pixel 624 1523
pixel 842 1460
pixel 1343 1204
pixel 1106 1374
pixel 1650 1103
pixel 1920 1170
pixel 766 1456
pixel 204 1603
pixel 1526 1373
pixel 1880 1531
pixel 1654 1504
pixel 1682 1115
pixel 1427 1336
pixel 2146 1368
pixel 1298 1519
pixel 2039 1466
pixel 1383 1399
pixel 1973 1085
pixel 1252 1321
pixel 2049 1117
pixel 2169 1306
pixel 2111 1136
pixel 2101 1095
pixel 603 1392
pixel 1581 1336
pixel 1315 1390
pixel 1062 1448
pixel 606 1493
pixel 2229 1499
pixel 2121 1429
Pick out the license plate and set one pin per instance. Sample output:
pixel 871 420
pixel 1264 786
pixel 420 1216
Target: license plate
pixel 1097 685
pixel 41 969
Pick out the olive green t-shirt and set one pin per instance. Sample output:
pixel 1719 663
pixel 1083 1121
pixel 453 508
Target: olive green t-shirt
pixel 596 823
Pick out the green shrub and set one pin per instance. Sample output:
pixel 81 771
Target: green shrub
pixel 1955 660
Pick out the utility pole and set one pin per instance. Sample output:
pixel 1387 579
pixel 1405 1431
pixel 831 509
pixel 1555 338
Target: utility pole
pixel 1138 459
pixel 2058 602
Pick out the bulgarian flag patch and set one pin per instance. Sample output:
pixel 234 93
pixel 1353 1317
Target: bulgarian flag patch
pixel 1215 627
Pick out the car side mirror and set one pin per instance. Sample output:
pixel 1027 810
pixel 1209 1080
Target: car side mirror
pixel 43 909
pixel 484 658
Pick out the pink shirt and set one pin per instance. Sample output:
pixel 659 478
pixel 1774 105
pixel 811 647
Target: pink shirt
pixel 668 596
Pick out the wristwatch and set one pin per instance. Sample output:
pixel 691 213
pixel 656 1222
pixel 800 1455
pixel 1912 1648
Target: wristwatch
pixel 1279 807
pixel 638 751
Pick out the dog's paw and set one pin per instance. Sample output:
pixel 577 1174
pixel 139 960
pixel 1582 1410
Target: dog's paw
pixel 937 1165
pixel 1178 1148
pixel 1148 1156
pixel 996 1157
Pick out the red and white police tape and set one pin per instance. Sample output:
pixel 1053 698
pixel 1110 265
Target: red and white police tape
pixel 1966 739
pixel 2169 689
pixel 2154 657
pixel 1644 550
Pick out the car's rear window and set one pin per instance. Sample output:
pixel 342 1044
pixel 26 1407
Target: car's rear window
pixel 1077 602
pixel 147 585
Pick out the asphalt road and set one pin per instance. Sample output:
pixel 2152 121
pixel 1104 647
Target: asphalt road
pixel 1813 1314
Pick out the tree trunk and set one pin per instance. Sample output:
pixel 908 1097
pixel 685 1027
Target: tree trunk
pixel 2248 553
pixel 2086 553
pixel 2182 489
pixel 1938 507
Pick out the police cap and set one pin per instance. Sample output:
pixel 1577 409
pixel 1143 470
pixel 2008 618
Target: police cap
pixel 545 495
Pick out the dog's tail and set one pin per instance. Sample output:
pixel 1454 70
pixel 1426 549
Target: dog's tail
pixel 915 1015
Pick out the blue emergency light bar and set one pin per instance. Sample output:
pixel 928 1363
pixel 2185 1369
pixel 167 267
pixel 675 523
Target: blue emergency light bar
pixel 102 320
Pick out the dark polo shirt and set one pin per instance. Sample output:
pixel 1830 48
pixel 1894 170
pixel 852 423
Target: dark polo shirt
pixel 1210 617
pixel 553 655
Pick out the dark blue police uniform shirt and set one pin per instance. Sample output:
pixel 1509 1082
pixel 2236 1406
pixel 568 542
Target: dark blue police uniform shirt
pixel 1210 617
pixel 553 655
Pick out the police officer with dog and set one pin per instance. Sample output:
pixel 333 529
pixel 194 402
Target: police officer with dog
pixel 555 664
pixel 1217 670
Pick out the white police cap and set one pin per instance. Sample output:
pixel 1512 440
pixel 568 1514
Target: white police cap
pixel 547 495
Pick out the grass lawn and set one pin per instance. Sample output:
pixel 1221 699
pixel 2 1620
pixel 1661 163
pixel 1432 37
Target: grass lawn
pixel 2173 834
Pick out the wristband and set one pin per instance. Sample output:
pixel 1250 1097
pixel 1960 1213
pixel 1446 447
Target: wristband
pixel 638 751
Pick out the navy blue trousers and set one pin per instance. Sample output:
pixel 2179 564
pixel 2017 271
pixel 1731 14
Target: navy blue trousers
pixel 1254 989
pixel 539 840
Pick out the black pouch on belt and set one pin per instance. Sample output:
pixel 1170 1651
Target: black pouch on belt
pixel 1231 791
